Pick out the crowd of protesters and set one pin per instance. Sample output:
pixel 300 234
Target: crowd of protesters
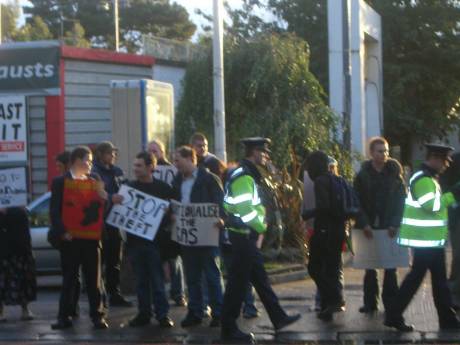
pixel 383 204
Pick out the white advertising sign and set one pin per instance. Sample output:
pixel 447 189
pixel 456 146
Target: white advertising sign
pixel 13 187
pixel 195 224
pixel 139 214
pixel 381 251
pixel 165 173
pixel 13 129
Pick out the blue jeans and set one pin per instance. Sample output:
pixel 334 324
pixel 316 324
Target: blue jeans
pixel 199 260
pixel 177 278
pixel 147 265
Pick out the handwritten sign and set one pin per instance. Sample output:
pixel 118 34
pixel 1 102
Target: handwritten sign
pixel 165 173
pixel 381 251
pixel 82 210
pixel 13 129
pixel 13 187
pixel 195 224
pixel 139 214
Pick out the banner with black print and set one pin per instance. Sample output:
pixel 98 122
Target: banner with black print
pixel 13 187
pixel 13 129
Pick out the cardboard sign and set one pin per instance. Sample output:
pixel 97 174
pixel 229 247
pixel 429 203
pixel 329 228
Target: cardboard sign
pixel 165 173
pixel 195 224
pixel 13 187
pixel 13 129
pixel 83 208
pixel 140 214
pixel 381 251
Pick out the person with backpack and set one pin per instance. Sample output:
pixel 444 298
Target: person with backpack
pixel 330 214
pixel 381 191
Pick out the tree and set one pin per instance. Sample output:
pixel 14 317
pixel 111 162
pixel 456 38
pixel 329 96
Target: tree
pixel 35 30
pixel 421 61
pixel 76 37
pixel 157 17
pixel 10 16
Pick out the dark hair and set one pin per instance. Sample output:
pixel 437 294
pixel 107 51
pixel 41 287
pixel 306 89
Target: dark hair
pixel 147 157
pixel 376 141
pixel 197 136
pixel 187 152
pixel 79 153
pixel 64 158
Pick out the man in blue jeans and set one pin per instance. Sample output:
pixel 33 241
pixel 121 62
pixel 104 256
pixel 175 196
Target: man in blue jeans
pixel 145 254
pixel 197 185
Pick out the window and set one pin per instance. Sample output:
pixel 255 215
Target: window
pixel 39 215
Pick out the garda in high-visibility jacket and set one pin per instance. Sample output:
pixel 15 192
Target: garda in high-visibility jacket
pixel 242 202
pixel 424 222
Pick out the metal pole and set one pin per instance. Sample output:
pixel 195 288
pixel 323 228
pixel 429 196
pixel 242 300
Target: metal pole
pixel 347 74
pixel 115 19
pixel 218 74
pixel 1 23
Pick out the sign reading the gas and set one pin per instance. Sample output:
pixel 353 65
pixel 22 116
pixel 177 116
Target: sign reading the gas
pixel 13 129
pixel 195 224
pixel 139 214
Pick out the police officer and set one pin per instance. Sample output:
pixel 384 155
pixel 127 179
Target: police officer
pixel 246 228
pixel 424 228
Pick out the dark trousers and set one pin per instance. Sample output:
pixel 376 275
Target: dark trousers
pixel 203 263
pixel 177 278
pixel 147 264
pixel 371 288
pixel 84 253
pixel 248 267
pixel 432 259
pixel 325 265
pixel 112 253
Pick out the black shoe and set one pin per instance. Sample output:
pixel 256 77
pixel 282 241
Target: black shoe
pixel 181 302
pixel 325 315
pixel 166 322
pixel 367 310
pixel 215 322
pixel 399 325
pixel 119 301
pixel 190 320
pixel 236 337
pixel 288 320
pixel 62 324
pixel 100 323
pixel 139 321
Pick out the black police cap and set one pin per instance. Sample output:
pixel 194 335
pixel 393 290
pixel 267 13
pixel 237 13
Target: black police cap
pixel 258 143
pixel 439 149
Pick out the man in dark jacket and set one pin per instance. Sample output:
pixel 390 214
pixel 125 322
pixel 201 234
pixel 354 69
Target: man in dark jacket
pixel 206 159
pixel 76 252
pixel 198 185
pixel 381 192
pixel 326 242
pixel 112 243
pixel 145 254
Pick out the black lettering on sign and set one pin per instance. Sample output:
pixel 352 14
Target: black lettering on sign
pixel 193 239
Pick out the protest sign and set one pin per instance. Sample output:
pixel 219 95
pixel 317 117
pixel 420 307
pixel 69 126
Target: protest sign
pixel 195 224
pixel 139 214
pixel 381 251
pixel 165 173
pixel 13 129
pixel 13 187
pixel 83 208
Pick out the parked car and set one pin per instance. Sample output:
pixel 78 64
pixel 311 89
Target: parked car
pixel 46 257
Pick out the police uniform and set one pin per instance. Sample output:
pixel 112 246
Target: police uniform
pixel 424 229
pixel 245 223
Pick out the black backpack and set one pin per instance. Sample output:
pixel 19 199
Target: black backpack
pixel 345 202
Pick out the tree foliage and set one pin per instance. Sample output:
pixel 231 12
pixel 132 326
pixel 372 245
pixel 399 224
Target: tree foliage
pixel 8 20
pixel 36 29
pixel 157 17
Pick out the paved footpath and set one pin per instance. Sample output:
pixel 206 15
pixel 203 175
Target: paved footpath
pixel 349 327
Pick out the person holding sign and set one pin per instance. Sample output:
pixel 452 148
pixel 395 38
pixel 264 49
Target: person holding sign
pixel 424 228
pixel 381 192
pixel 191 186
pixel 76 206
pixel 246 226
pixel 166 172
pixel 144 253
